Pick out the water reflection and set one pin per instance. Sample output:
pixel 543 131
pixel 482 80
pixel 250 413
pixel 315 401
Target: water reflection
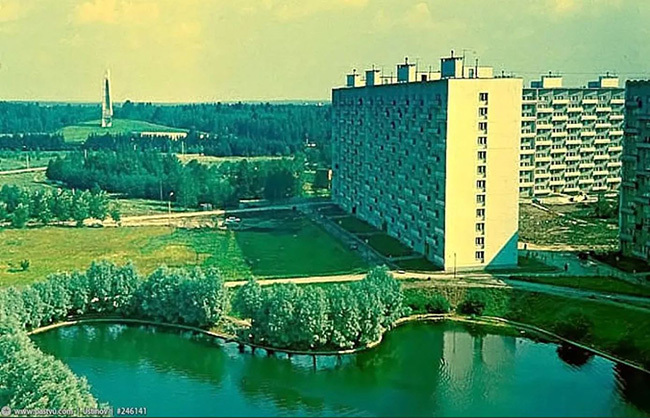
pixel 424 369
pixel 573 356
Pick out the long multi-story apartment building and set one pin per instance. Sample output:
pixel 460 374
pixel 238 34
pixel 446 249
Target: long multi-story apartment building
pixel 433 159
pixel 571 138
pixel 635 190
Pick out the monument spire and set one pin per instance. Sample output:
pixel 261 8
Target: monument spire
pixel 107 102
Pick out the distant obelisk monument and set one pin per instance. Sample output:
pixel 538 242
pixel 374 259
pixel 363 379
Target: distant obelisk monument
pixel 107 103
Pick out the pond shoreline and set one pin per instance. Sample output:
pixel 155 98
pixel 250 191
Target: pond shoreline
pixel 484 320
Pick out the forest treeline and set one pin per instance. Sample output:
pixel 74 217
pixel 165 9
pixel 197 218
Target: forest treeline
pixel 220 129
pixel 164 177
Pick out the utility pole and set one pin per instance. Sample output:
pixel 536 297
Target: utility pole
pixel 169 208
pixel 27 160
pixel 454 265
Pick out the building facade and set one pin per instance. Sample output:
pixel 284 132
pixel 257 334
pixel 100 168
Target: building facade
pixel 571 138
pixel 432 159
pixel 635 190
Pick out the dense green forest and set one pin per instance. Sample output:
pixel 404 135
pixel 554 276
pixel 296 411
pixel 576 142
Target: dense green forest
pixel 215 129
pixel 43 142
pixel 164 176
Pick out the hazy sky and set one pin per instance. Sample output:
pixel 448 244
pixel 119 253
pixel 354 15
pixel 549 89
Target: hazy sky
pixel 206 50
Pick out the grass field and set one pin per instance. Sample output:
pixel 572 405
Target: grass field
pixel 277 244
pixel 600 284
pixel 388 246
pixel 32 181
pixel 81 131
pixel 15 160
pixel 355 225
pixel 539 227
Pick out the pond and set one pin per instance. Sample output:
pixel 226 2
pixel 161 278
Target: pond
pixel 420 369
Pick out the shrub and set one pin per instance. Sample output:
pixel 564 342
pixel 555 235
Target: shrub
pixel 24 265
pixel 474 304
pixel 437 304
pixel 575 325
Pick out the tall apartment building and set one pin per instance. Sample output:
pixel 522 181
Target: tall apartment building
pixel 635 190
pixel 432 159
pixel 571 138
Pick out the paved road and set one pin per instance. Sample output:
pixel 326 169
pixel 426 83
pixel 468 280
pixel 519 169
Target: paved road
pixel 23 170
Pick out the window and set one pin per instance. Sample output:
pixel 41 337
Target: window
pixel 482 140
pixel 480 227
pixel 482 155
pixel 482 111
pixel 480 240
pixel 480 169
pixel 483 97
pixel 482 126
pixel 480 198
pixel 480 184
pixel 480 213
pixel 480 256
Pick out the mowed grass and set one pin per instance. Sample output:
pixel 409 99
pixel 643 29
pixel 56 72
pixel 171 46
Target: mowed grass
pixel 16 160
pixel 285 243
pixel 81 131
pixel 52 249
pixel 276 244
pixel 32 181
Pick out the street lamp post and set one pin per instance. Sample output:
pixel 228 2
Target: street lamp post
pixel 454 265
pixel 169 208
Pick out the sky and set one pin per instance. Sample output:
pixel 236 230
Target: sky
pixel 225 50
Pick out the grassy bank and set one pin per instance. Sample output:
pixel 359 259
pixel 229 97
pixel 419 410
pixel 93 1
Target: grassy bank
pixel 621 331
pixel 81 131
pixel 599 284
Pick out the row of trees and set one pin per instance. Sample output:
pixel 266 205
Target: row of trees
pixel 32 379
pixel 43 117
pixel 342 316
pixel 43 142
pixel 163 176
pixel 20 205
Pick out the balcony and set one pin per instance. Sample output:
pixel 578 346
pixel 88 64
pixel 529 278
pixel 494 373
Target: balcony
pixel 557 182
pixel 543 142
pixel 587 101
pixel 616 116
pixel 588 117
pixel 603 109
pixel 528 117
pixel 614 164
pixel 544 125
pixel 543 159
pixel 560 101
pixel 526 151
pixel 615 148
pixel 574 142
pixel 575 109
pixel 571 174
pixel 586 165
pixel 617 101
pixel 603 125
pixel 561 134
pixel 559 118
pixel 544 109
pixel 601 141
pixel 558 166
pixel 574 125
pixel 542 175
pixel 588 133
pixel 614 180
pixel 528 100
pixel 616 132
pixel 586 181
pixel 600 172
pixel 526 168
pixel 587 150
pixel 601 157
pixel 572 158
pixel 572 189
pixel 528 134
pixel 558 150
pixel 526 183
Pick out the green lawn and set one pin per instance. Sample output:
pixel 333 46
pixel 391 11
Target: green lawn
pixel 355 225
pixel 280 244
pixel 81 131
pixel 628 264
pixel 418 264
pixel 388 246
pixel 600 284
pixel 275 244
pixel 32 181
pixel 16 160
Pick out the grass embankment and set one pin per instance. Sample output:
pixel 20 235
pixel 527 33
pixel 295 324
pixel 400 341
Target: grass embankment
pixel 273 244
pixel 32 181
pixel 623 332
pixel 81 131
pixel 599 284
pixel 621 262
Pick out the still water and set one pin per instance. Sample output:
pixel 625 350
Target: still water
pixel 421 369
